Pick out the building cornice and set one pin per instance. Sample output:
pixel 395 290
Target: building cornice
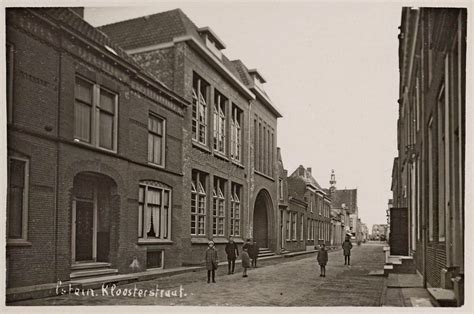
pixel 266 101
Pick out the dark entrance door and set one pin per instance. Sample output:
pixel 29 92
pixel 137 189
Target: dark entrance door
pixel 260 224
pixel 398 231
pixel 84 230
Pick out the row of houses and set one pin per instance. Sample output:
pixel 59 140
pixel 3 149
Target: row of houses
pixel 427 217
pixel 140 141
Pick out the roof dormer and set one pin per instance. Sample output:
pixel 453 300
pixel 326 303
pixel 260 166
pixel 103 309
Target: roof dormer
pixel 257 77
pixel 213 42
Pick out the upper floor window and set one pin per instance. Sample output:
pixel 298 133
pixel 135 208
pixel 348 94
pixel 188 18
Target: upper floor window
pixel 9 91
pixel 17 199
pixel 235 209
pixel 236 134
pixel 156 140
pixel 154 211
pixel 218 207
pixel 200 96
pixel 219 122
pixel 95 115
pixel 198 203
pixel 280 188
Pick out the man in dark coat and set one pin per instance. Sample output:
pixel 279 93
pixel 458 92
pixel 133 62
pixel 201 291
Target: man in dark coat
pixel 232 252
pixel 253 253
pixel 347 246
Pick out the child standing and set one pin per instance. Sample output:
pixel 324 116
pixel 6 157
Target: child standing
pixel 245 261
pixel 322 259
pixel 210 257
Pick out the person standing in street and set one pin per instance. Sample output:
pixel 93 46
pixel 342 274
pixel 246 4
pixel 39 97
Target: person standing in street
pixel 247 245
pixel 322 260
pixel 211 260
pixel 245 261
pixel 232 252
pixel 347 246
pixel 253 252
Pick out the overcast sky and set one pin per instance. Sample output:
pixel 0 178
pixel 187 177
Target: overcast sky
pixel 331 69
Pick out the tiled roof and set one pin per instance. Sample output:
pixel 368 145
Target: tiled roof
pixel 76 24
pixel 347 197
pixel 151 29
pixel 307 177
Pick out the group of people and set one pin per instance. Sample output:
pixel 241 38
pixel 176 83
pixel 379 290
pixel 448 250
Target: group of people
pixel 323 256
pixel 249 257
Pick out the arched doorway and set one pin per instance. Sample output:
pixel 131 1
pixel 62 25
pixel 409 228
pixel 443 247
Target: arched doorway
pixel 261 212
pixel 91 217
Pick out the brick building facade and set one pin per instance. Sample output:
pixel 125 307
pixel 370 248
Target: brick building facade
pixel 94 154
pixel 230 170
pixel 428 173
pixel 315 219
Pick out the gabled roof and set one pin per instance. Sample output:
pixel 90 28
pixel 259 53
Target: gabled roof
pixel 347 197
pixel 151 29
pixel 75 24
pixel 306 176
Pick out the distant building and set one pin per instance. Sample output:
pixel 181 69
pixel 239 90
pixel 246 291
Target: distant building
pixel 429 172
pixel 309 211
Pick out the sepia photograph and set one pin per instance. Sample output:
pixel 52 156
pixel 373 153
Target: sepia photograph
pixel 237 156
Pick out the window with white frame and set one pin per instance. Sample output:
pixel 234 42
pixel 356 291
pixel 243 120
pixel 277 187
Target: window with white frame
pixel 236 134
pixel 154 211
pixel 288 225
pixel 156 140
pixel 219 126
pixel 320 205
pixel 198 203
pixel 293 226
pixel 280 189
pixel 218 207
pixel 95 115
pixel 9 91
pixel 308 230
pixel 17 199
pixel 302 228
pixel 235 209
pixel 199 113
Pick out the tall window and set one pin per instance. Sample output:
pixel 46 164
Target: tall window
pixel 17 199
pixel 441 164
pixel 198 203
pixel 9 91
pixel 199 125
pixel 156 140
pixel 154 217
pixel 430 180
pixel 235 210
pixel 219 122
pixel 280 188
pixel 301 228
pixel 293 226
pixel 236 134
pixel 95 115
pixel 218 207
pixel 288 224
pixel 320 205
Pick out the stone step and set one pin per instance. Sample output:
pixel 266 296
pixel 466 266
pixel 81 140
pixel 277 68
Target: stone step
pixel 92 273
pixel 97 282
pixel 91 265
pixel 444 297
pixel 265 254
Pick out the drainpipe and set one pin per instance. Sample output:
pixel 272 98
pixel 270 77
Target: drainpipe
pixel 59 85
pixel 249 168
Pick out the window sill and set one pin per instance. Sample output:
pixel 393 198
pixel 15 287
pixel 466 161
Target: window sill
pixel 201 146
pixel 199 240
pixel 220 155
pixel 154 241
pixel 220 240
pixel 264 175
pixel 156 165
pixel 238 164
pixel 18 243
pixel 79 142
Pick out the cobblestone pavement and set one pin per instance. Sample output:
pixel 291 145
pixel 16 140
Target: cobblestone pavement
pixel 281 282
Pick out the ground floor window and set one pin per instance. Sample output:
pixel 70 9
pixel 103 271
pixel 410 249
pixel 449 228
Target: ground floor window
pixel 154 259
pixel 154 217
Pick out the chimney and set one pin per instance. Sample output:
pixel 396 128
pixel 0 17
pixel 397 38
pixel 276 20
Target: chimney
pixel 309 170
pixel 301 171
